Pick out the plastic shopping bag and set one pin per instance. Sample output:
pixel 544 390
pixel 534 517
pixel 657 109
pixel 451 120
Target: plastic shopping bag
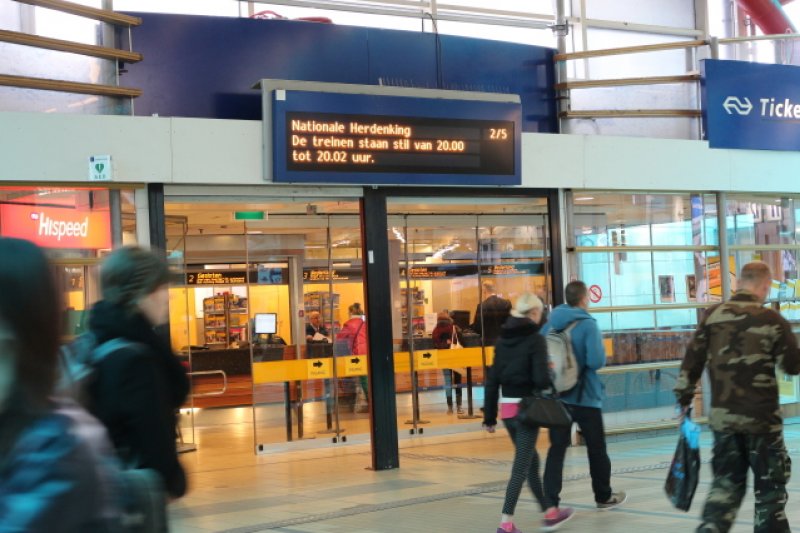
pixel 684 472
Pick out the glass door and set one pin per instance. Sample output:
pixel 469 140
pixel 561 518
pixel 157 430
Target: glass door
pixel 179 330
pixel 457 258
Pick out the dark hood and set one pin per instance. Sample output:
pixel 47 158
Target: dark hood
pixel 107 321
pixel 516 330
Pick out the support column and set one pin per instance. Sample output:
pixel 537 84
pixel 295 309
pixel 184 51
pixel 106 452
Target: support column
pixel 722 233
pixel 558 248
pixel 115 208
pixel 142 218
pixel 156 222
pixel 377 289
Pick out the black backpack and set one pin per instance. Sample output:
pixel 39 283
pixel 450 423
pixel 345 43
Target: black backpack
pixel 142 495
pixel 78 362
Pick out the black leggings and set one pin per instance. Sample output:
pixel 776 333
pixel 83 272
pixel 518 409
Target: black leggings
pixel 526 465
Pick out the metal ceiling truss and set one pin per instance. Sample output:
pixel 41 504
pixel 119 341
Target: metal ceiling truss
pixel 423 9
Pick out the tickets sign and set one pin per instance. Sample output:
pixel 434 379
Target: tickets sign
pixel 750 105
pixel 56 227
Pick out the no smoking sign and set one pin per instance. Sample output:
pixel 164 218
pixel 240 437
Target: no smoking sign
pixel 595 294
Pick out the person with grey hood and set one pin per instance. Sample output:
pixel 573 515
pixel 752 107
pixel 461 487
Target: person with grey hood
pixel 520 369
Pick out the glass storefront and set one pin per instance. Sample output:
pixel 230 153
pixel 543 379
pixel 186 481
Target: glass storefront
pixel 74 225
pixel 268 309
pixel 765 228
pixel 653 265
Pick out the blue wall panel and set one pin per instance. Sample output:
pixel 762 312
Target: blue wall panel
pixel 205 66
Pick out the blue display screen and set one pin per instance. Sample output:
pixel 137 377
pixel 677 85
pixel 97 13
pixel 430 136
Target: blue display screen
pixel 365 139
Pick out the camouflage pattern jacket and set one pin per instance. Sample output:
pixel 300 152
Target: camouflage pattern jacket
pixel 742 342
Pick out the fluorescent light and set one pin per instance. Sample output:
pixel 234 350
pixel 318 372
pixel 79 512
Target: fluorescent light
pixel 584 198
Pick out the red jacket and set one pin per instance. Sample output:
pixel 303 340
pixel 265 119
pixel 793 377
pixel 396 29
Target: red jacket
pixel 354 332
pixel 443 334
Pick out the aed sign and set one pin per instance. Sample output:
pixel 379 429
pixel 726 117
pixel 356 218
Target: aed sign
pixel 52 227
pixel 370 139
pixel 751 105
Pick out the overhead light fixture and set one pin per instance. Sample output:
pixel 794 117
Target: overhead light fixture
pixel 584 198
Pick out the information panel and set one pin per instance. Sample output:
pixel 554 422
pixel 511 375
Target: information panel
pixel 397 140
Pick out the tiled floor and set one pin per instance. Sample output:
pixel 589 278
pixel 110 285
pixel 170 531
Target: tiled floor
pixel 448 483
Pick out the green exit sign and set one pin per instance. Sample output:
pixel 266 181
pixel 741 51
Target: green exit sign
pixel 248 215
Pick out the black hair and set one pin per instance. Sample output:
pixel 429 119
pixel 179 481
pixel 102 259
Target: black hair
pixel 30 309
pixel 131 273
pixel 574 292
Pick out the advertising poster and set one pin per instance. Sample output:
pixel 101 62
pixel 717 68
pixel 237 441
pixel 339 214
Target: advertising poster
pixel 666 287
pixel 691 287
pixel 714 278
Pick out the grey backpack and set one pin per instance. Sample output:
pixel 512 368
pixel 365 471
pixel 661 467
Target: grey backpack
pixel 562 358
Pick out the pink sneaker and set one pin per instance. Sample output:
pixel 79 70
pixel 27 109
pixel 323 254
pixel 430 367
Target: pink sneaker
pixel 559 517
pixel 513 530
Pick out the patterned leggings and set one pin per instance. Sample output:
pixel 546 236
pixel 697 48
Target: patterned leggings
pixel 526 465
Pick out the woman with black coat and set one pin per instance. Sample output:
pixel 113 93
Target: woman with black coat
pixel 520 369
pixel 139 386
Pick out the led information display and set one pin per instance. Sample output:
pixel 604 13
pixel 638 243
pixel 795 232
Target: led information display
pixel 354 138
pixel 363 143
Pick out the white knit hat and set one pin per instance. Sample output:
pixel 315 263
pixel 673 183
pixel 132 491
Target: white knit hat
pixel 525 304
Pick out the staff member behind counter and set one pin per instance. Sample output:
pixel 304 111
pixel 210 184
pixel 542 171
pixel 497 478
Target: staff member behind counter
pixel 315 330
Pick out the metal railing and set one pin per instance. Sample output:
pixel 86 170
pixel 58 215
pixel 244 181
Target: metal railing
pixel 46 43
pixel 696 49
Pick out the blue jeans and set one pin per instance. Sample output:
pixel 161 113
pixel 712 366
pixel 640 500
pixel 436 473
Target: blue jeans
pixel 450 378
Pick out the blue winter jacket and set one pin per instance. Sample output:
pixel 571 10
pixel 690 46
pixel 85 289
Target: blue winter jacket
pixel 59 477
pixel 589 351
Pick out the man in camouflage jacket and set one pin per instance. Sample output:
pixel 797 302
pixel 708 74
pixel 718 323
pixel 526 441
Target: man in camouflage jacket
pixel 742 342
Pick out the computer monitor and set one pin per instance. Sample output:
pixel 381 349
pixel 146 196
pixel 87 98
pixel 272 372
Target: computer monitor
pixel 460 318
pixel 265 323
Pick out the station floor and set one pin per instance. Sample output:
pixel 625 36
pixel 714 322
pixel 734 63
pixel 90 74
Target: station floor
pixel 446 483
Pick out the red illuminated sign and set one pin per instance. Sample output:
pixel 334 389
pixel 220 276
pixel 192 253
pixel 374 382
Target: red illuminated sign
pixel 56 228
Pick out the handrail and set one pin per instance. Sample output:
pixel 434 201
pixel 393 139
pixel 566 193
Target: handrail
pixel 103 15
pixel 617 82
pixel 222 391
pixel 638 367
pixel 763 247
pixel 606 113
pixel 654 248
pixel 651 307
pixel 771 37
pixel 629 49
pixel 61 45
pixel 67 86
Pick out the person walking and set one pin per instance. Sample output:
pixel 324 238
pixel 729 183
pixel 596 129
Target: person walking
pixel 140 385
pixel 444 336
pixel 490 315
pixel 57 467
pixel 519 370
pixel 742 342
pixel 584 401
pixel 353 336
